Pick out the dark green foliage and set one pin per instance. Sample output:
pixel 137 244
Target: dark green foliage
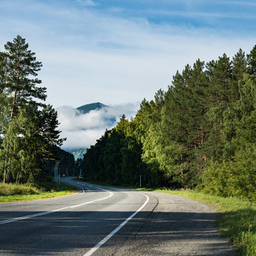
pixel 235 178
pixel 235 174
pixel 201 132
pixel 114 159
pixel 184 125
pixel 251 60
pixel 28 127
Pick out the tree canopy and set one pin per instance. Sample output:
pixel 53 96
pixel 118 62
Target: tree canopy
pixel 28 126
pixel 199 133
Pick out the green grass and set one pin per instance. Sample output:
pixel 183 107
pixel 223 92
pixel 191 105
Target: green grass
pixel 236 219
pixel 15 193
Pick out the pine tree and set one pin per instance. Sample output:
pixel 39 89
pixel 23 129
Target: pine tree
pixel 251 59
pixel 21 65
pixel 184 127
pixel 28 126
pixel 239 63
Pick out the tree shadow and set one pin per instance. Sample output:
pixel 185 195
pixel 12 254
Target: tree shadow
pixel 148 233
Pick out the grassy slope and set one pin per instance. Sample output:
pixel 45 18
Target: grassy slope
pixel 15 193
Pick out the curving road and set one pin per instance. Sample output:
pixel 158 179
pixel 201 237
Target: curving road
pixel 108 221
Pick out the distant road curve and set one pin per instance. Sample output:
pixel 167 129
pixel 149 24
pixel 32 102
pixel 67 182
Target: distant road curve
pixel 108 221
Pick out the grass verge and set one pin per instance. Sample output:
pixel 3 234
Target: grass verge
pixel 236 219
pixel 15 193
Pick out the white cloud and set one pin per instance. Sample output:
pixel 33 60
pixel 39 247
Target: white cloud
pixel 82 130
pixel 120 53
pixel 81 139
pixel 90 54
pixel 87 2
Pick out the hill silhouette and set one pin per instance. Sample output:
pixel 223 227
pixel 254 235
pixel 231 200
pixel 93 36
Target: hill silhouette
pixel 92 106
pixel 85 109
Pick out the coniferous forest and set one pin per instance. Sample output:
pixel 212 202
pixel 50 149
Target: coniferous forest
pixel 29 138
pixel 200 133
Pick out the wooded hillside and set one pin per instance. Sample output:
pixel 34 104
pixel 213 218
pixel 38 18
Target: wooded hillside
pixel 199 133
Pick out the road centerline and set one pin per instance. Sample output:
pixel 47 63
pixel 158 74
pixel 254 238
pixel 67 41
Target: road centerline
pixel 104 240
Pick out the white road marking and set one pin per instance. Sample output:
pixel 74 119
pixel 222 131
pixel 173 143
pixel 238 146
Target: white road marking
pixel 53 211
pixel 103 241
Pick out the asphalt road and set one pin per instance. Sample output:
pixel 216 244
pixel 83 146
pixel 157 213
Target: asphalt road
pixel 107 221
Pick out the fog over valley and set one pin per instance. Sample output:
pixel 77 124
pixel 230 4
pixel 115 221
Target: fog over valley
pixel 83 129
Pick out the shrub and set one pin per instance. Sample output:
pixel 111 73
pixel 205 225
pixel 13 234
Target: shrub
pixel 13 189
pixel 235 178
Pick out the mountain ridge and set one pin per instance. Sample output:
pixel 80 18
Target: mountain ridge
pixel 85 109
pixel 91 106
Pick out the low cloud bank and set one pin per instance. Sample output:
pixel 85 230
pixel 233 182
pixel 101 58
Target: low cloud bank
pixel 82 130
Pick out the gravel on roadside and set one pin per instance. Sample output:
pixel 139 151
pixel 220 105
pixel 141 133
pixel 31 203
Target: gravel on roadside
pixel 178 226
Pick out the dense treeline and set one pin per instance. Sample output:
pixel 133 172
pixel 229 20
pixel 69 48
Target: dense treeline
pixel 200 133
pixel 28 126
pixel 66 164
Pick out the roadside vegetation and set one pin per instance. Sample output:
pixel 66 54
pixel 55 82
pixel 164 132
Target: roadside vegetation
pixel 236 218
pixel 15 193
pixel 197 135
pixel 200 133
pixel 29 136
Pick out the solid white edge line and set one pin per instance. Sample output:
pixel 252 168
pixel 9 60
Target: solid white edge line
pixel 103 241
pixel 53 211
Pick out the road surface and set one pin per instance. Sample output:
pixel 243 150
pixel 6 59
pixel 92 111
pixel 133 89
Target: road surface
pixel 107 221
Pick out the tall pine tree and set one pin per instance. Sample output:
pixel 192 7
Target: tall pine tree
pixel 28 126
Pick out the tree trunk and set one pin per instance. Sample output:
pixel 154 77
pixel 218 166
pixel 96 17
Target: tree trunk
pixel 13 104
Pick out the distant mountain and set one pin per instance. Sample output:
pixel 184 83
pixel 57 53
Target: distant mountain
pixel 108 119
pixel 93 106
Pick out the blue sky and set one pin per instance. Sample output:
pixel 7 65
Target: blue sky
pixel 122 51
pixel 119 52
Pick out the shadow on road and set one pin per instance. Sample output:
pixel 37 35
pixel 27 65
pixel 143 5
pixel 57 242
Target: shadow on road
pixel 148 233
